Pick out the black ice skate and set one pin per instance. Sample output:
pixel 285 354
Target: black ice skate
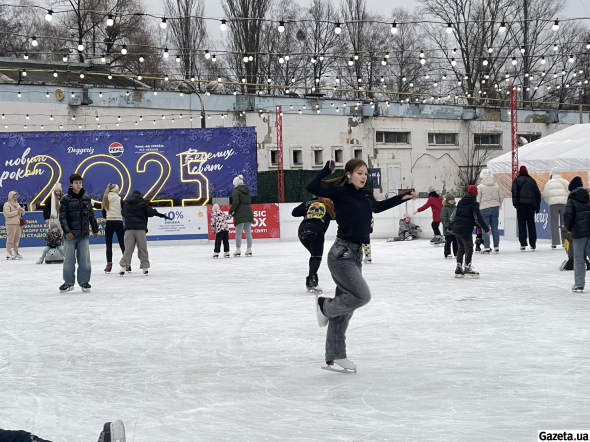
pixel 216 255
pixel 478 243
pixel 65 287
pixel 128 269
pixel 113 432
pixel 145 272
pixel 470 273
pixel 577 289
pixel 109 267
pixel 522 248
pixel 459 271
pixel 85 287
pixel 312 284
pixel 347 366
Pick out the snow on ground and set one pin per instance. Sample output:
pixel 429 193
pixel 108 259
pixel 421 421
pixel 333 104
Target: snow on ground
pixel 229 349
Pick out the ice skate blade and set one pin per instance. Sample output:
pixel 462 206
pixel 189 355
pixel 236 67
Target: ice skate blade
pixel 319 292
pixel 69 289
pixel 459 276
pixel 86 290
pixel 471 276
pixel 343 370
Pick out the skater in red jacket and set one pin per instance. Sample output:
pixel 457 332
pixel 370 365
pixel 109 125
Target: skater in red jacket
pixel 435 201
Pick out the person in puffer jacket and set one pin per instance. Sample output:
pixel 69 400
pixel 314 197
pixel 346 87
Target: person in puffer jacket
pixel 577 221
pixel 220 227
pixel 526 199
pixel 490 198
pixel 407 229
pixel 435 201
pixel 555 194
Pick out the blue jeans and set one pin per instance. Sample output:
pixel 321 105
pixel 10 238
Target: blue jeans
pixel 77 249
pixel 490 217
pixel 247 228
pixel 581 248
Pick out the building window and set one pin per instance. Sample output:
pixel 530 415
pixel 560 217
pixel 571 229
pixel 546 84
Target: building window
pixel 393 137
pixel 297 157
pixel 358 153
pixel 273 158
pixel 338 156
pixel 530 137
pixel 442 139
pixel 318 157
pixel 487 140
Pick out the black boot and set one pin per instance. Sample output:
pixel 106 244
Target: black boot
pixel 587 264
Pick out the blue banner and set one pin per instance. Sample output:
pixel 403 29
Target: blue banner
pixel 165 164
pixel 376 177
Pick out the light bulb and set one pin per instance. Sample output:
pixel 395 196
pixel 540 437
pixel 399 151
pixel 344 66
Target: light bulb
pixel 110 77
pixel 80 46
pixel 337 29
pixel 166 77
pixel 64 58
pixel 393 29
pixel 514 61
pixel 81 75
pixel 110 21
pixel 100 94
pixel 543 61
pixel 27 117
pixel 51 117
pixel 178 59
pixel 555 26
pixel 103 59
pixel 356 56
pixel 421 54
pixel 490 50
pixel 485 62
pixel 166 53
pixel 422 61
pixel 350 62
pixel 282 26
pixel 384 62
pixel 502 27
pixel 47 94
pixel 192 78
pixel 19 94
pixel 223 25
pixel 571 59
pixel 213 58
pixel 251 58
pixel 286 58
pixel 245 59
pixel 522 50
pixel 139 77
pixel 72 95
pixel 587 45
pixel 24 74
pixel 26 56
pixel 141 59
pixel 449 28
pixel 322 57
pixel 124 50
pixel 555 47
pixel 164 25
pixel 49 15
pixel 281 60
pixel 313 60
pixel 34 42
pixel 207 55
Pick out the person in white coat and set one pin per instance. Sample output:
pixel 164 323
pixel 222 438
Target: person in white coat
pixel 555 195
pixel 490 198
pixel 111 211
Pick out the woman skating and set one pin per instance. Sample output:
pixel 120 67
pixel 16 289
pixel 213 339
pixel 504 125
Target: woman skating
pixel 435 201
pixel 317 214
pixel 111 211
pixel 354 208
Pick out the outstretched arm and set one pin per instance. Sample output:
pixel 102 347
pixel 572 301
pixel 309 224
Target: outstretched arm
pixel 316 187
pixel 381 206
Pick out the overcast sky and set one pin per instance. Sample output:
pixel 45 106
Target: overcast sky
pixel 575 8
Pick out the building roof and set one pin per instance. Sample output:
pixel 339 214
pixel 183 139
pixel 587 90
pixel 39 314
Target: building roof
pixel 68 74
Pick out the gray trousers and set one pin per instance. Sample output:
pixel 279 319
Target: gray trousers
pixel 556 213
pixel 581 248
pixel 352 292
pixel 133 237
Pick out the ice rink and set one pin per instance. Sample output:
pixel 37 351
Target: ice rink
pixel 230 349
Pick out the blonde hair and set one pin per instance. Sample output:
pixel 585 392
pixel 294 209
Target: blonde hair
pixel 329 206
pixel 105 198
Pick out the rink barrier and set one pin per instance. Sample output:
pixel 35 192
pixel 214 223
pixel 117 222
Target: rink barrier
pixel 192 224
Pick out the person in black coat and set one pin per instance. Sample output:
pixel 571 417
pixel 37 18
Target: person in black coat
pixel 75 214
pixel 317 214
pixel 136 213
pixel 577 221
pixel 467 216
pixel 526 199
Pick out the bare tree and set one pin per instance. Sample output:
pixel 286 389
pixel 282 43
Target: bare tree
pixel 245 29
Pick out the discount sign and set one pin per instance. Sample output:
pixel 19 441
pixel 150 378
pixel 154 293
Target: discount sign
pixel 266 222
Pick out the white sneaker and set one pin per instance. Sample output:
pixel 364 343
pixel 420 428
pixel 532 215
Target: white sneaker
pixel 345 363
pixel 40 261
pixel 322 319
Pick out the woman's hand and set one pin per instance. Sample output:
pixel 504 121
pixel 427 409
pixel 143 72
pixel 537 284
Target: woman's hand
pixel 331 165
pixel 410 196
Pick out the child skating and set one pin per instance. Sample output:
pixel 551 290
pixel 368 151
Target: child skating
pixel 221 229
pixel 445 217
pixel 407 231
pixel 317 214
pixel 354 206
pixel 435 201
pixel 466 217
pixel 53 239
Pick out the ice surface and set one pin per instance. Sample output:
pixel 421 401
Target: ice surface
pixel 229 349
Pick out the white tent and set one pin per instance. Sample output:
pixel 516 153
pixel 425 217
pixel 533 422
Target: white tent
pixel 568 150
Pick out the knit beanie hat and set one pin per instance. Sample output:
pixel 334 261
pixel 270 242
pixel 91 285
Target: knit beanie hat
pixel 472 189
pixel 53 226
pixel 431 189
pixel 449 197
pixel 575 183
pixel 57 187
pixel 407 215
pixel 238 181
pixel 484 173
pixel 523 170
pixel 216 206
pixel 554 171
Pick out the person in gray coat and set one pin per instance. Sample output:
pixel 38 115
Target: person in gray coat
pixel 241 210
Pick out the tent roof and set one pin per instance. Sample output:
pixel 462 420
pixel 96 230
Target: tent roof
pixel 568 150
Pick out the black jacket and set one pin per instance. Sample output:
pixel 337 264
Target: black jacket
pixel 354 208
pixel 526 191
pixel 577 213
pixel 312 211
pixel 75 213
pixel 241 208
pixel 136 212
pixel 468 216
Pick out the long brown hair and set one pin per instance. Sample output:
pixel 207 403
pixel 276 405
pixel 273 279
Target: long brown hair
pixel 329 206
pixel 105 198
pixel 350 168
